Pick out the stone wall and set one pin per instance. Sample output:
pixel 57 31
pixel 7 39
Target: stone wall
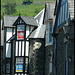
pixel 71 51
pixel 36 57
pixel 48 50
pixel 61 52
pixel 60 59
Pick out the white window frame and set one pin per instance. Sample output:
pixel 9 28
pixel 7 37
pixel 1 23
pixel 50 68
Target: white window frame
pixel 48 33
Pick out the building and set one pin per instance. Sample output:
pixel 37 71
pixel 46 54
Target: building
pixel 37 52
pixel 15 43
pixel 49 22
pixel 63 34
pixel 40 45
pixel 37 49
pixel 17 29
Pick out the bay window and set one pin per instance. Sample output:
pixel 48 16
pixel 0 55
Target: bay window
pixel 49 30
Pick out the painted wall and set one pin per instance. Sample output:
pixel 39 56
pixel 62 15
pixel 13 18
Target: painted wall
pixel 8 45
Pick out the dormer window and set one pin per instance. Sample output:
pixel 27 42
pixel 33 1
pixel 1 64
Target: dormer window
pixel 49 30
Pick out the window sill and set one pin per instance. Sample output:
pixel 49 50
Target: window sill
pixel 49 44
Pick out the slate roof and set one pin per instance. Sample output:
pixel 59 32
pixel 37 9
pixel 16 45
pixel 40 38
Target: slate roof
pixel 2 35
pixel 39 32
pixel 71 8
pixel 9 20
pixel 29 20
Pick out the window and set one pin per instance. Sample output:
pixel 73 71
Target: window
pixel 49 30
pixel 26 64
pixel 7 66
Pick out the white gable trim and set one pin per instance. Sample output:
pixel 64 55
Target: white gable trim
pixel 39 13
pixel 40 24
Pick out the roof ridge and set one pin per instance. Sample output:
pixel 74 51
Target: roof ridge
pixel 27 17
pixel 18 16
pixel 51 2
pixel 10 15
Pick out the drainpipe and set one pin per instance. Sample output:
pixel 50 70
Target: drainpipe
pixel 55 36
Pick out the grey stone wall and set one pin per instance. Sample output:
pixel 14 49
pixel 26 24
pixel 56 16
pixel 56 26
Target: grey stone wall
pixel 61 52
pixel 48 50
pixel 53 63
pixel 60 60
pixel 71 51
pixel 36 57
pixel 70 57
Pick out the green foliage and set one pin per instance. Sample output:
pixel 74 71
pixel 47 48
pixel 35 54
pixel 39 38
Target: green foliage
pixel 38 9
pixel 10 8
pixel 25 10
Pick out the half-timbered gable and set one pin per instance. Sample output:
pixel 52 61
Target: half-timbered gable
pixel 16 44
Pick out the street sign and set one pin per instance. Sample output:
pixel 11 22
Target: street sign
pixel 20 35
pixel 19 64
pixel 20 32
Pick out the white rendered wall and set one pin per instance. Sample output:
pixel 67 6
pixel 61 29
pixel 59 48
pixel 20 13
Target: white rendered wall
pixel 27 48
pixel 16 52
pixel 8 50
pixel 22 48
pixel 8 33
pixel 14 31
pixel 27 31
